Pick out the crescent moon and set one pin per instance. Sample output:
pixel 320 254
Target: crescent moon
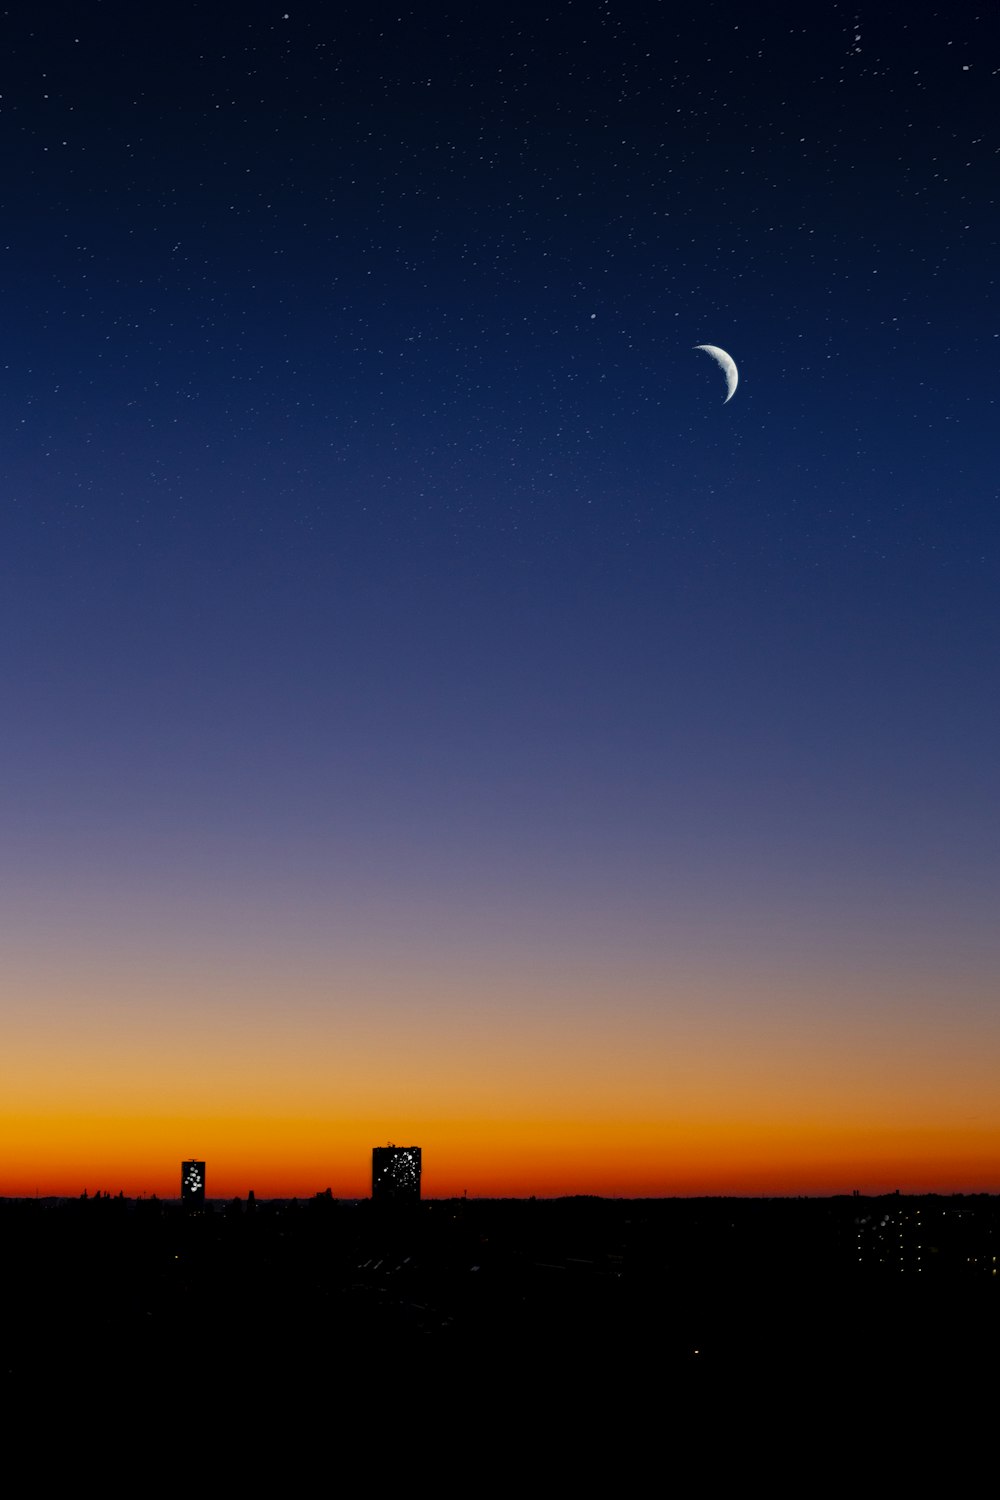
pixel 726 363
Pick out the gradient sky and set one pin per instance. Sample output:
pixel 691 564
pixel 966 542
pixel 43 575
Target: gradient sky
pixel 428 712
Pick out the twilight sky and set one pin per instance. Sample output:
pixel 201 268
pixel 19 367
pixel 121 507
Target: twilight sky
pixel 428 713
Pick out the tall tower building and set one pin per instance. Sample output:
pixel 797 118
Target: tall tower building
pixel 396 1174
pixel 193 1184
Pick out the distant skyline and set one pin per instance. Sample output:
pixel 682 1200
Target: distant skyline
pixel 428 711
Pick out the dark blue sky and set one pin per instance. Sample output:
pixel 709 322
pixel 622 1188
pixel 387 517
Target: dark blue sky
pixel 372 532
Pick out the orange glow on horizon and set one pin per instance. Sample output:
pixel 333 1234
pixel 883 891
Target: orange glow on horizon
pixel 296 1157
pixel 518 1084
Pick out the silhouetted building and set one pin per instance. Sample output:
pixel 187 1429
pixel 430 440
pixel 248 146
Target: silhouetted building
pixel 891 1237
pixel 193 1184
pixel 396 1174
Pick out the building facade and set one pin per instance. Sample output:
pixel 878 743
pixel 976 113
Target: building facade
pixel 396 1174
pixel 193 1184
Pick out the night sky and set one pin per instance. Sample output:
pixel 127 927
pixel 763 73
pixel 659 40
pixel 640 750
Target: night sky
pixel 429 712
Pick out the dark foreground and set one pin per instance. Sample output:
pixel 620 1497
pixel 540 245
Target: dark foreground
pixel 622 1312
